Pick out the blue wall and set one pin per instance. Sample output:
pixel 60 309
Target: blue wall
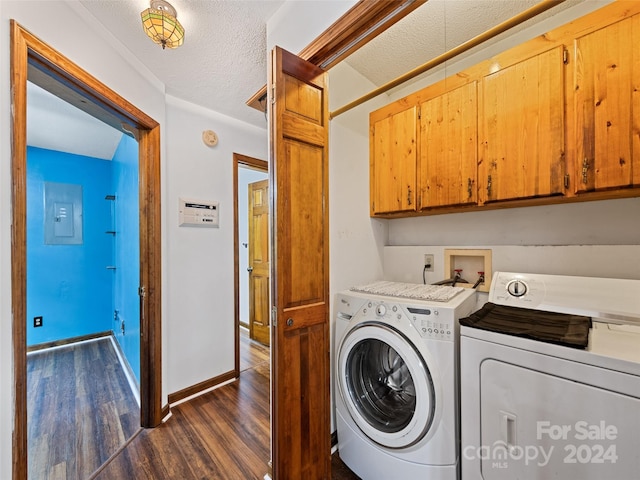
pixel 68 285
pixel 127 250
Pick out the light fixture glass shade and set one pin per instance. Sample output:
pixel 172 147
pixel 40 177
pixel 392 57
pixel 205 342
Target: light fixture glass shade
pixel 162 27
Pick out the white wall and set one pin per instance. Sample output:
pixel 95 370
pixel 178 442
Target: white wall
pixel 611 222
pixel 200 268
pixel 405 263
pixel 577 232
pixel 115 68
pixel 607 222
pixel 197 266
pixel 355 239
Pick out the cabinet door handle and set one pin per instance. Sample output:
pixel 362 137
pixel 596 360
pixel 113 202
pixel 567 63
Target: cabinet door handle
pixel 488 185
pixel 585 169
pixel 408 195
pixel 469 188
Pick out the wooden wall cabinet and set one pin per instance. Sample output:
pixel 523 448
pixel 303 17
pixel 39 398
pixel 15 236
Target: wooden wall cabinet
pixel 448 161
pixel 393 160
pixel 523 129
pixel 556 119
pixel 606 107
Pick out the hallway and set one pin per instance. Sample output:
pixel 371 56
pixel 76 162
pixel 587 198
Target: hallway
pixel 223 434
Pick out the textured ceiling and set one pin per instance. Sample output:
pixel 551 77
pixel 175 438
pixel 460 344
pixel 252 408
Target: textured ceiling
pixel 223 60
pixel 433 29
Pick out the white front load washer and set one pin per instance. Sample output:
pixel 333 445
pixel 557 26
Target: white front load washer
pixel 531 409
pixel 396 366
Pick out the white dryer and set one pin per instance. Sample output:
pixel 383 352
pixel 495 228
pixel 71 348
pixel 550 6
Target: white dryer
pixel 534 410
pixel 396 366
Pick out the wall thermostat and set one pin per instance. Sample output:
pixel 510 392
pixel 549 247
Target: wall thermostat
pixel 200 213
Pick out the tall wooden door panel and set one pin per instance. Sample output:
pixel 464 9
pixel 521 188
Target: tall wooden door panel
pixel 607 107
pixel 523 129
pixel 393 163
pixel 300 271
pixel 449 148
pixel 259 272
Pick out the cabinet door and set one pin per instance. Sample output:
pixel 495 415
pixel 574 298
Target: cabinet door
pixel 449 148
pixel 607 107
pixel 523 129
pixel 393 163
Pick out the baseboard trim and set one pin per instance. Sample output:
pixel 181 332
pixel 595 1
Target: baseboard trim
pixel 67 341
pixel 165 412
pixel 126 368
pixel 202 387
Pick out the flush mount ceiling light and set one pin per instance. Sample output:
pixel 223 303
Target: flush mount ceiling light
pixel 161 25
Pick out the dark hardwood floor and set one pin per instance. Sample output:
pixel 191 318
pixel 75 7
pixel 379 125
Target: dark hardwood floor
pixel 80 410
pixel 252 353
pixel 222 434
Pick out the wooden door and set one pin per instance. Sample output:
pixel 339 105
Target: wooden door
pixel 523 129
pixel 449 148
pixel 300 269
pixel 259 310
pixel 607 107
pixel 393 162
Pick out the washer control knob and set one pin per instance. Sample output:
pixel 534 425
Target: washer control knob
pixel 381 310
pixel 517 288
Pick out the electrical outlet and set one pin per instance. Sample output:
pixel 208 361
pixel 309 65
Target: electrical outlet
pixel 428 262
pixel 37 322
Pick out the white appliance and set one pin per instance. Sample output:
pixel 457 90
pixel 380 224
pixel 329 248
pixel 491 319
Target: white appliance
pixel 537 410
pixel 397 385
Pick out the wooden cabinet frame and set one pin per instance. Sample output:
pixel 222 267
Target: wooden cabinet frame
pixel 618 174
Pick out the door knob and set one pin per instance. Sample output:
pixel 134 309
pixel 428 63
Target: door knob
pixel 249 269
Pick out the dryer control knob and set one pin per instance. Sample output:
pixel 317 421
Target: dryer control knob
pixel 517 288
pixel 381 310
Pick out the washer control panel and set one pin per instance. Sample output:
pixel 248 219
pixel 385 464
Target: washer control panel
pixel 430 322
pixel 382 310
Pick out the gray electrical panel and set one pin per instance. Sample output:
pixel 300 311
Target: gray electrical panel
pixel 62 214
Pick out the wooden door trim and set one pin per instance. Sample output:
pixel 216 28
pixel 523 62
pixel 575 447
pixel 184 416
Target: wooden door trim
pixel 361 23
pixel 250 162
pixel 26 48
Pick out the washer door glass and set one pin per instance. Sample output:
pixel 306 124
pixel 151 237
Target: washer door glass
pixel 386 385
